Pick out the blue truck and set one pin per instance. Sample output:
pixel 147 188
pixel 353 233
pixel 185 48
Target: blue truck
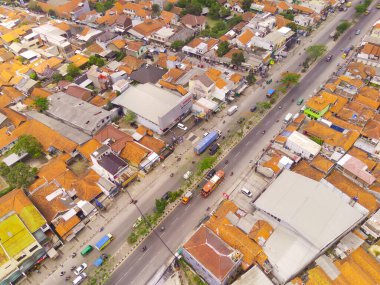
pixel 103 242
pixel 98 262
pixel 206 142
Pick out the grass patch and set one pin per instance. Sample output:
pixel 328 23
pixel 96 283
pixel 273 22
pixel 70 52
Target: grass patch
pixel 211 22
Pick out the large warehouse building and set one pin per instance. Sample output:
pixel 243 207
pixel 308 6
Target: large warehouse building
pixel 307 217
pixel 155 108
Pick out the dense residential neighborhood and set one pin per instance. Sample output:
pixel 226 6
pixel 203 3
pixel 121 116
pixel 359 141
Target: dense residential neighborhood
pixel 189 142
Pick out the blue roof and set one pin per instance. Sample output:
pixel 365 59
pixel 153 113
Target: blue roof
pixel 271 91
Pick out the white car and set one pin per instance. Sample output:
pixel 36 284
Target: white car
pixel 80 269
pixel 80 279
pixel 205 134
pixel 187 175
pixel 182 127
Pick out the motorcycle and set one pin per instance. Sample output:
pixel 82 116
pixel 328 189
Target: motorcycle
pixel 232 173
pixel 62 273
pixel 67 278
pixel 162 228
pixel 73 255
pixel 144 248
pixel 72 268
pixel 263 132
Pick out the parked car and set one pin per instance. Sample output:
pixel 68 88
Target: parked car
pixel 329 57
pixel 79 279
pixel 166 196
pixel 367 12
pixel 357 32
pixel 253 109
pixel 213 149
pixel 181 126
pixel 246 192
pixel 80 269
pixel 299 101
pixel 211 173
pixel 187 175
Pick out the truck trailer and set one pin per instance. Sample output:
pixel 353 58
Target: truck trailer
pixel 212 183
pixel 206 142
pixel 103 242
pixel 186 198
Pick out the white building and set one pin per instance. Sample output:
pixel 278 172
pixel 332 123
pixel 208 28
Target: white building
pixel 307 217
pixel 155 108
pixel 162 35
pixel 372 226
pixel 302 145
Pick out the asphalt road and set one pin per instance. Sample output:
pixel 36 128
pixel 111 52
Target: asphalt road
pixel 141 266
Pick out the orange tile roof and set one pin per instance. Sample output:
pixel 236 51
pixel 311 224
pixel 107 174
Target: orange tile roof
pixel 134 45
pixel 360 69
pixel 40 66
pixel 64 228
pixel 363 156
pixel 322 164
pixel 371 49
pixel 79 60
pixel 236 77
pixel 63 10
pixel 134 153
pixel 316 276
pixel 233 236
pixel 88 148
pixel 211 42
pixel 367 101
pixel 372 129
pixel 132 62
pixel 194 43
pixel 63 26
pixel 173 75
pixel 15 117
pixel 321 101
pixel 281 21
pixel 167 16
pixel 40 92
pixel 330 136
pixel 353 190
pixel 283 5
pixel 153 143
pixel 305 169
pixel 119 43
pixel 94 48
pixel 270 9
pixel 370 92
pixel 220 83
pixel 245 37
pixel 339 104
pixel 303 9
pixel 351 81
pixel 46 136
pixel 148 27
pixel 273 162
pixel 344 124
pixel 261 231
pixel 213 74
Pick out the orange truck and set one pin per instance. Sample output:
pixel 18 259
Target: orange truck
pixel 212 183
pixel 187 197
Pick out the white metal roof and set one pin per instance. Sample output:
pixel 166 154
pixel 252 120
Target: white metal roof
pixel 314 210
pixel 148 101
pixel 304 143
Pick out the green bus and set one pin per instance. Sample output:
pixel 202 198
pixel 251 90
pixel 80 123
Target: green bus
pixel 86 250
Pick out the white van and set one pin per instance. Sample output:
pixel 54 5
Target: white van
pixel 288 117
pixel 80 279
pixel 232 110
pixel 246 192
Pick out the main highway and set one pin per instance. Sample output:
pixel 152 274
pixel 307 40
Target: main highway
pixel 140 266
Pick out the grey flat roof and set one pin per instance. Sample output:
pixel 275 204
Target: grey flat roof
pixel 147 73
pixel 148 101
pixel 75 111
pixel 314 210
pixel 71 133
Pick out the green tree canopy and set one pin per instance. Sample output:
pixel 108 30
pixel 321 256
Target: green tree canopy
pixel 237 58
pixel 251 79
pixel 246 5
pixel 223 48
pixel 288 15
pixel 41 103
pixel 28 144
pixel 293 26
pixel 156 9
pixel 96 60
pixel 57 77
pixel 342 27
pixel 224 12
pixel 33 76
pixel 72 70
pixel 130 117
pixel 168 6
pixel 316 51
pixel 290 78
pixel 20 175
pixel 177 45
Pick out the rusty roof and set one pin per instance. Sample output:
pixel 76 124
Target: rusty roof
pixel 116 137
pixel 372 130
pixel 134 153
pixel 210 251
pixel 363 156
pixel 321 101
pixel 306 170
pixel 348 187
pixel 322 164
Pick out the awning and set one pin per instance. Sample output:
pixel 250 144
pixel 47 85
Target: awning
pixel 15 276
pixel 27 265
pixel 39 255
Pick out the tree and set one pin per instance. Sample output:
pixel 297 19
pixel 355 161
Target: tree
pixel 223 48
pixel 177 45
pixel 194 8
pixel 342 27
pixel 360 9
pixel 57 77
pixel 20 175
pixel 156 9
pixel 263 105
pixel 130 117
pixel 41 104
pixel 293 26
pixel 316 51
pixel 251 79
pixel 33 76
pixel 52 13
pixel 28 144
pixel 213 12
pixel 161 205
pixel 237 58
pixel 96 60
pixel 33 6
pixel 246 5
pixel 288 15
pixel 120 55
pixel 289 78
pixel 224 12
pixel 72 70
pixel 169 6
